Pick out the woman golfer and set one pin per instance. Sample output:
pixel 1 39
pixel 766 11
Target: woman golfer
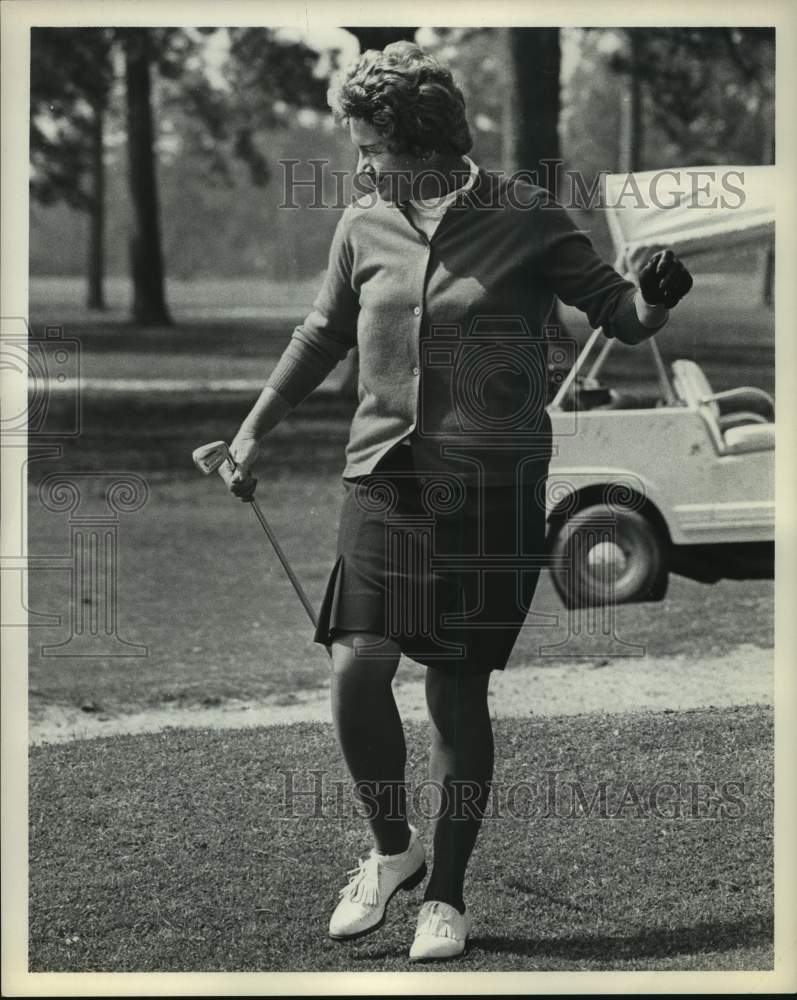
pixel 443 275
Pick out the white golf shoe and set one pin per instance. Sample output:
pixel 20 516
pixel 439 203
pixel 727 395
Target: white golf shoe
pixel 442 932
pixel 371 885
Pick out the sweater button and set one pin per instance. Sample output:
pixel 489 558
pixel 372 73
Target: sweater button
pixel 417 310
pixel 416 370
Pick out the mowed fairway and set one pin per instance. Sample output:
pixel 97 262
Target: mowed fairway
pixel 178 851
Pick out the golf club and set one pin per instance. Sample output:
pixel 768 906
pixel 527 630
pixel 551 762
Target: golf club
pixel 216 457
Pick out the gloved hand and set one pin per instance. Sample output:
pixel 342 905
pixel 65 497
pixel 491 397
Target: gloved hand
pixel 664 280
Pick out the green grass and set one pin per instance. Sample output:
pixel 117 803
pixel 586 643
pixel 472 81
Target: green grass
pixel 206 293
pixel 172 852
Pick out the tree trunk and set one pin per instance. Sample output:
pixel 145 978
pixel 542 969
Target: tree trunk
pixel 149 304
pixel 378 38
pixel 532 140
pixel 96 273
pixel 531 132
pixel 631 133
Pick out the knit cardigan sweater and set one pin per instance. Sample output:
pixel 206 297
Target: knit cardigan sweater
pixel 452 332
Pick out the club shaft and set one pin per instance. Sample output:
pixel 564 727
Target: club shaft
pixel 217 456
pixel 286 565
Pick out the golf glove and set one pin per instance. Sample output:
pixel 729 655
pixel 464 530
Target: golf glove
pixel 664 280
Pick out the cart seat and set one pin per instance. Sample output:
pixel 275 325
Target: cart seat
pixel 750 437
pixel 739 420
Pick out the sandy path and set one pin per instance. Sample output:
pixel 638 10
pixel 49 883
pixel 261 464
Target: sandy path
pixel 742 677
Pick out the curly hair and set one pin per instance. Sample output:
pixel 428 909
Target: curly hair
pixel 408 97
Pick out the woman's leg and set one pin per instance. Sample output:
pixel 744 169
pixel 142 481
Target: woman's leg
pixel 461 767
pixel 370 733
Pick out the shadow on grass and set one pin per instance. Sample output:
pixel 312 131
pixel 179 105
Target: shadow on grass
pixel 660 942
pixel 646 944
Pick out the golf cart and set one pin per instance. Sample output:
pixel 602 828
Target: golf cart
pixel 680 479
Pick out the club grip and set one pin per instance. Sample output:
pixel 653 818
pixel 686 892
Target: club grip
pixel 226 470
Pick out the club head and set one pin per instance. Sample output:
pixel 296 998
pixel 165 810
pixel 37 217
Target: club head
pixel 210 457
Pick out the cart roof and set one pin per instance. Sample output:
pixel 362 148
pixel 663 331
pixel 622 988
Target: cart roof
pixel 690 209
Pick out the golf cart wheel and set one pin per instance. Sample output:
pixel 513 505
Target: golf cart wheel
pixel 606 554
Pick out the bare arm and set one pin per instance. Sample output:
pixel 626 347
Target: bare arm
pixel 264 416
pixel 653 317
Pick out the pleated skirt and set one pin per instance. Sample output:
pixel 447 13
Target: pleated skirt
pixel 444 567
